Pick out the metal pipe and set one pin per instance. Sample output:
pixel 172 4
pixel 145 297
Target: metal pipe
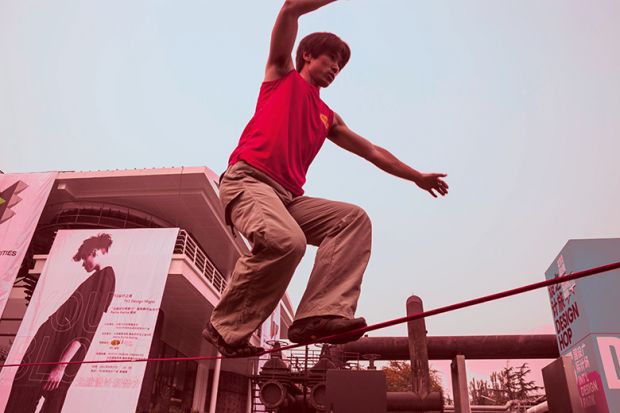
pixel 408 401
pixel 540 346
pixel 481 409
pixel 539 408
pixel 396 402
pixel 273 394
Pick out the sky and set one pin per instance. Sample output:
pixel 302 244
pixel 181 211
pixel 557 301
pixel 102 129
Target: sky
pixel 518 101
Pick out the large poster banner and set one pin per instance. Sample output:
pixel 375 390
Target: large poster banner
pixel 97 299
pixel 22 198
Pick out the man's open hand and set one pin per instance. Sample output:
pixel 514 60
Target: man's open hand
pixel 432 182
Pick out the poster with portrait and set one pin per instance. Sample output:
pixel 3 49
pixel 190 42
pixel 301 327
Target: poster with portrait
pixel 22 198
pixel 97 298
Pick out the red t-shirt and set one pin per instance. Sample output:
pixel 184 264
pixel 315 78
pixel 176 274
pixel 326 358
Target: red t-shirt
pixel 286 132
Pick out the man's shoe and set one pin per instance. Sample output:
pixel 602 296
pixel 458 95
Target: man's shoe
pixel 311 329
pixel 243 350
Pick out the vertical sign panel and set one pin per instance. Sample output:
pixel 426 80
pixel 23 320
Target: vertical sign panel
pixel 22 198
pixel 585 314
pixel 270 330
pixel 97 299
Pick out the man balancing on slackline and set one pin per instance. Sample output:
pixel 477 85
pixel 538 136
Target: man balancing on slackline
pixel 262 195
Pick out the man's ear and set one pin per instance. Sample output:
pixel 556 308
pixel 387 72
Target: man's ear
pixel 307 56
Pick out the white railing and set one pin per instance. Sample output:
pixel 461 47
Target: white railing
pixel 187 246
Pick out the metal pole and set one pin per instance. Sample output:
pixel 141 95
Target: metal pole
pixel 248 409
pixel 418 352
pixel 304 386
pixel 459 385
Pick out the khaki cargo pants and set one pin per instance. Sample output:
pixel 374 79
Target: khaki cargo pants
pixel 279 226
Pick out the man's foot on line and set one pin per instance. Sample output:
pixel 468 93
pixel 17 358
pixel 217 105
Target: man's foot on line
pixel 242 350
pixel 310 329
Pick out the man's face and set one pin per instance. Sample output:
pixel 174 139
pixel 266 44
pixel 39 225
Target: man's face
pixel 323 69
pixel 91 261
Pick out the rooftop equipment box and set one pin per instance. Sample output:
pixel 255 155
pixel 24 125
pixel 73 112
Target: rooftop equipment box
pixel 356 391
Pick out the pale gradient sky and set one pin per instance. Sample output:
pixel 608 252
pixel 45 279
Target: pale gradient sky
pixel 517 100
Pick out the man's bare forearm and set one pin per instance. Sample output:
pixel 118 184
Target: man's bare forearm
pixel 301 7
pixel 284 33
pixel 384 160
pixel 344 137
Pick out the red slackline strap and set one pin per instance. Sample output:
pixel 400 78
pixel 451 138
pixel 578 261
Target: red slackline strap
pixel 424 314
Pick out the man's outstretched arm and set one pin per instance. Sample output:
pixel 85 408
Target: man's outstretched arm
pixel 280 61
pixel 344 137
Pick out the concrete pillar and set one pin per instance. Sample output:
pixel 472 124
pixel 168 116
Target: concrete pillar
pixel 202 378
pixel 200 390
pixel 459 385
pixel 216 384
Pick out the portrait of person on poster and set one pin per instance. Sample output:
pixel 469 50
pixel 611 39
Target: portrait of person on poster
pixel 66 335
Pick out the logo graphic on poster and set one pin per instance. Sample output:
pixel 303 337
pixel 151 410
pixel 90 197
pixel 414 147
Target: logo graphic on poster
pixel 97 299
pixel 9 198
pixel 564 307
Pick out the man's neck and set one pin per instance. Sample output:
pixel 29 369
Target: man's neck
pixel 306 76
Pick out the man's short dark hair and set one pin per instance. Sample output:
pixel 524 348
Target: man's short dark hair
pixel 97 242
pixel 321 43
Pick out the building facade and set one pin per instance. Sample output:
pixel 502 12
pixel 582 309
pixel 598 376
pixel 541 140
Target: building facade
pixel 204 255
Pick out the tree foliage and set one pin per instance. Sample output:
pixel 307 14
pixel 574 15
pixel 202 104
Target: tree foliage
pixel 4 352
pixel 398 377
pixel 510 383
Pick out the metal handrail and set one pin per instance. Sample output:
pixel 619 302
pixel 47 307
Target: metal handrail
pixel 187 246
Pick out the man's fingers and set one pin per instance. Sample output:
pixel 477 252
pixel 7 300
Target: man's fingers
pixel 442 188
pixel 433 182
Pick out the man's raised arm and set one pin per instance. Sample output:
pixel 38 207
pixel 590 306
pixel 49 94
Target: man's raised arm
pixel 280 61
